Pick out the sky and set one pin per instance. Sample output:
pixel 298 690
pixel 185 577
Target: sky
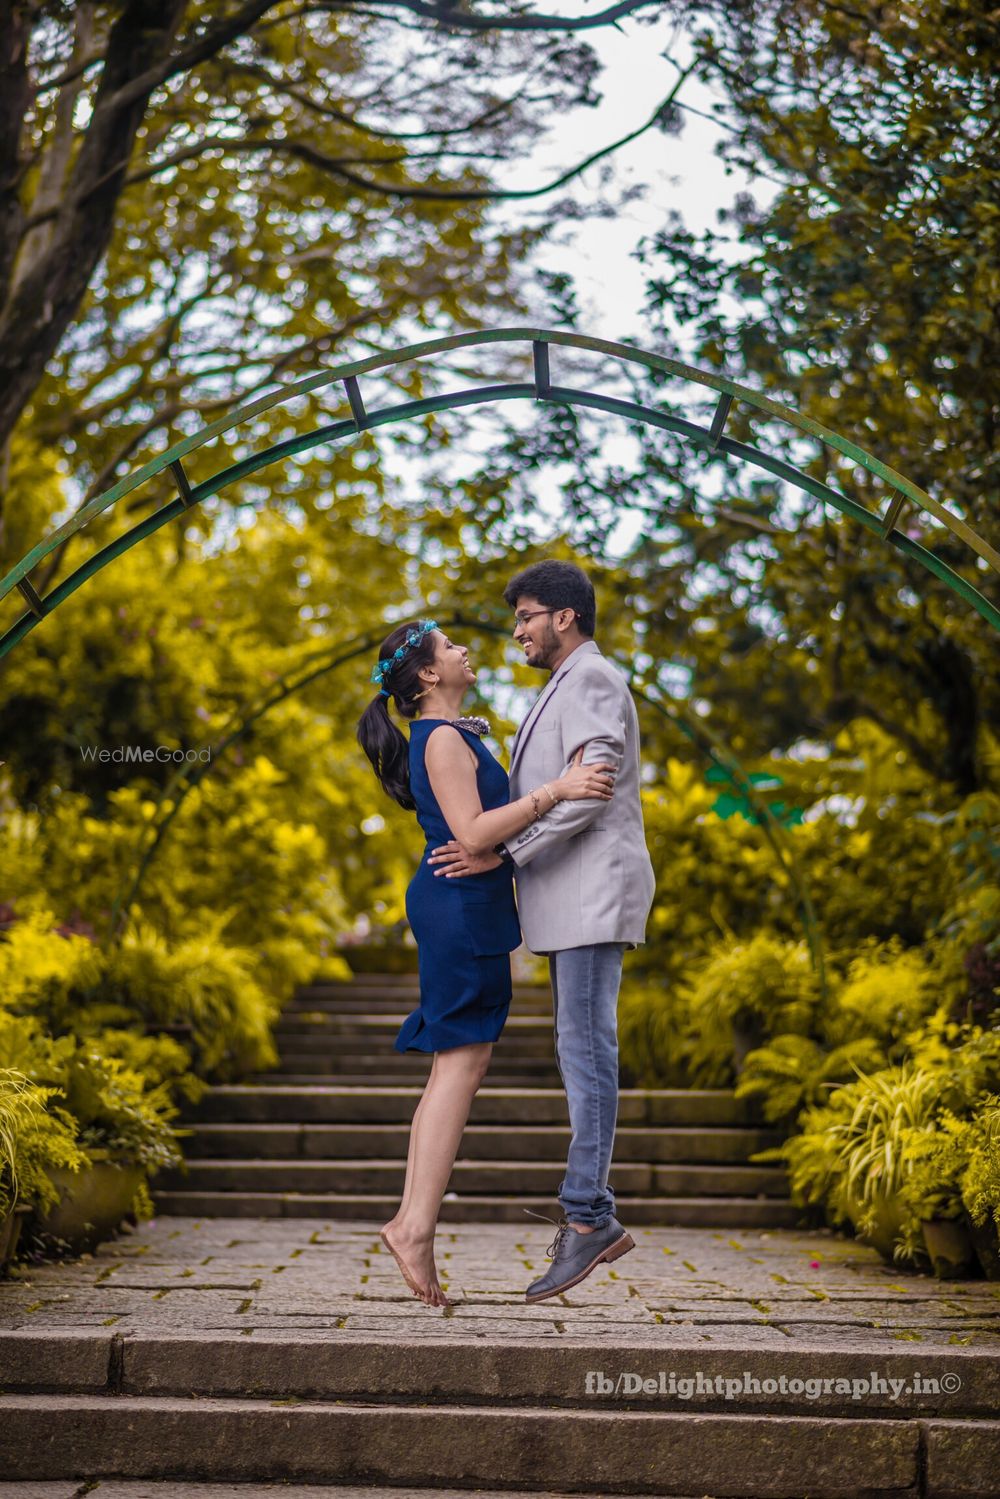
pixel 678 172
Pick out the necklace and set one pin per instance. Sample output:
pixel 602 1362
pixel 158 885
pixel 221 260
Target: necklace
pixel 480 726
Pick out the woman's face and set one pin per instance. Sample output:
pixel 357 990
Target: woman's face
pixel 451 662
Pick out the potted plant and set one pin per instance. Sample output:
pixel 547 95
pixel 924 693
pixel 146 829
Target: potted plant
pixel 934 1223
pixel 854 1154
pixel 981 1185
pixel 37 1139
pixel 126 1132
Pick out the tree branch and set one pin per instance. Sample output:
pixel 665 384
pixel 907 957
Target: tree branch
pixel 217 36
pixel 333 167
pixel 445 15
pixel 224 31
pixel 333 164
pixel 275 368
pixel 329 112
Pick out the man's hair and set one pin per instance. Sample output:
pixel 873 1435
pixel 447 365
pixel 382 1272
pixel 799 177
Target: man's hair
pixel 557 585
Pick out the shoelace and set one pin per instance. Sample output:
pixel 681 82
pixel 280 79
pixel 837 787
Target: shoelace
pixel 562 1226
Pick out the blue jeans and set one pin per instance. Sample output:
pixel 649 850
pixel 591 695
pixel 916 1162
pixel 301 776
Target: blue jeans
pixel 585 983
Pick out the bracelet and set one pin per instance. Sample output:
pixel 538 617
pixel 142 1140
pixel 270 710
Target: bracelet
pixel 548 788
pixel 534 803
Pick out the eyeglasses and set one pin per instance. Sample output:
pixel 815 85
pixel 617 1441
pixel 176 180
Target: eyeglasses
pixel 522 619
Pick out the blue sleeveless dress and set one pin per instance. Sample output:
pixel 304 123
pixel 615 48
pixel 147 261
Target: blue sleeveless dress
pixel 465 927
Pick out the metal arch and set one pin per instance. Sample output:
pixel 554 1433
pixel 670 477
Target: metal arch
pixel 902 491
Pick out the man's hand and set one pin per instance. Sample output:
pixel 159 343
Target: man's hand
pixel 454 860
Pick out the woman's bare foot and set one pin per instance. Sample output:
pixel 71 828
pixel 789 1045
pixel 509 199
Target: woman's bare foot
pixel 415 1258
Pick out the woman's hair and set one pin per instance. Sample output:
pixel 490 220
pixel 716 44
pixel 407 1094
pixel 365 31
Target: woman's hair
pixel 378 736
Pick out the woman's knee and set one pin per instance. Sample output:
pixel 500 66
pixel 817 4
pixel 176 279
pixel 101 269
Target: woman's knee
pixel 470 1063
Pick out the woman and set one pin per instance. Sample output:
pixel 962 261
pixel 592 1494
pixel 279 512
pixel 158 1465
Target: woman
pixel 466 926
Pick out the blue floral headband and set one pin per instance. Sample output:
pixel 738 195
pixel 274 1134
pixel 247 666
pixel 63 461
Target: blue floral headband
pixel 382 670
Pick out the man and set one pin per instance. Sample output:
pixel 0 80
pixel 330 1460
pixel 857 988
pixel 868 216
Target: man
pixel 584 888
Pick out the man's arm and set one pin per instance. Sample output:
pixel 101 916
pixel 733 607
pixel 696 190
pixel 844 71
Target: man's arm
pixel 593 715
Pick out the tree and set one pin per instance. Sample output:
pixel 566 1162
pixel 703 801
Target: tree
pixel 859 285
pixel 195 200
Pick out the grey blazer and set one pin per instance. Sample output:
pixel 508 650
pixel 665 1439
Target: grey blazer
pixel 583 872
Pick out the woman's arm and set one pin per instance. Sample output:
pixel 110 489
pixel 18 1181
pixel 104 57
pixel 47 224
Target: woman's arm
pixel 452 775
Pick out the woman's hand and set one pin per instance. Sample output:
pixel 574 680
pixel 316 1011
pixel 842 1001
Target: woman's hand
pixel 585 782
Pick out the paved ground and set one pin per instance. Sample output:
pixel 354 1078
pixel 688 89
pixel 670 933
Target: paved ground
pixel 306 1279
pixel 139 1488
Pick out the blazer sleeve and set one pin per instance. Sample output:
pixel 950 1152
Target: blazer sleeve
pixel 593 715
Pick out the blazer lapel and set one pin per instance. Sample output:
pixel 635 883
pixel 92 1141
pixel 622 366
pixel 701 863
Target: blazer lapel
pixel 524 732
pixel 535 711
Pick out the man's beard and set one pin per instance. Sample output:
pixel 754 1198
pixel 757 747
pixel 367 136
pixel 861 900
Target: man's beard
pixel 547 648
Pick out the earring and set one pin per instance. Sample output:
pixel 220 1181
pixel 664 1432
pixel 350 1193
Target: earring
pixel 426 690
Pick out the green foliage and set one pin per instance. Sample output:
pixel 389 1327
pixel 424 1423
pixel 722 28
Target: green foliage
pixel 903 1145
pixel 651 1034
pixel 939 1155
pixel 980 1181
pixel 117 1111
pixel 794 1072
pixel 765 985
pixel 202 983
pixel 955 1168
pixel 886 993
pixel 34 1134
pixel 72 987
pixel 904 895
pixel 835 290
pixel 42 970
pixel 113 1108
pixel 853 1154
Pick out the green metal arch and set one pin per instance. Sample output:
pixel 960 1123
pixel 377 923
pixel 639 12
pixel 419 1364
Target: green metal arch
pixel 901 491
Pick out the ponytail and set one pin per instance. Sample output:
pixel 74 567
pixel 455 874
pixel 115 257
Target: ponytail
pixel 401 657
pixel 388 750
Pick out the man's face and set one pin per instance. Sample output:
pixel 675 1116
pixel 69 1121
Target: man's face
pixel 536 634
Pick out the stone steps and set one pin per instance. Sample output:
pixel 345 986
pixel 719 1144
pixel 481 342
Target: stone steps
pixel 446 1415
pixel 511 1371
pixel 292 1102
pixel 225 1353
pixel 481 1142
pixel 651 1452
pixel 663 1212
pixel 487 1177
pixel 377 1062
pixel 172 1488
pixel 348 1022
pixel 660 1453
pixel 523 1036
pixel 402 1077
pixel 383 997
pixel 326 1133
pixel 394 983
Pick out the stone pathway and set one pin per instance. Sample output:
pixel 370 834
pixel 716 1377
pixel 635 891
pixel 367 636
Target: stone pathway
pixel 307 1279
